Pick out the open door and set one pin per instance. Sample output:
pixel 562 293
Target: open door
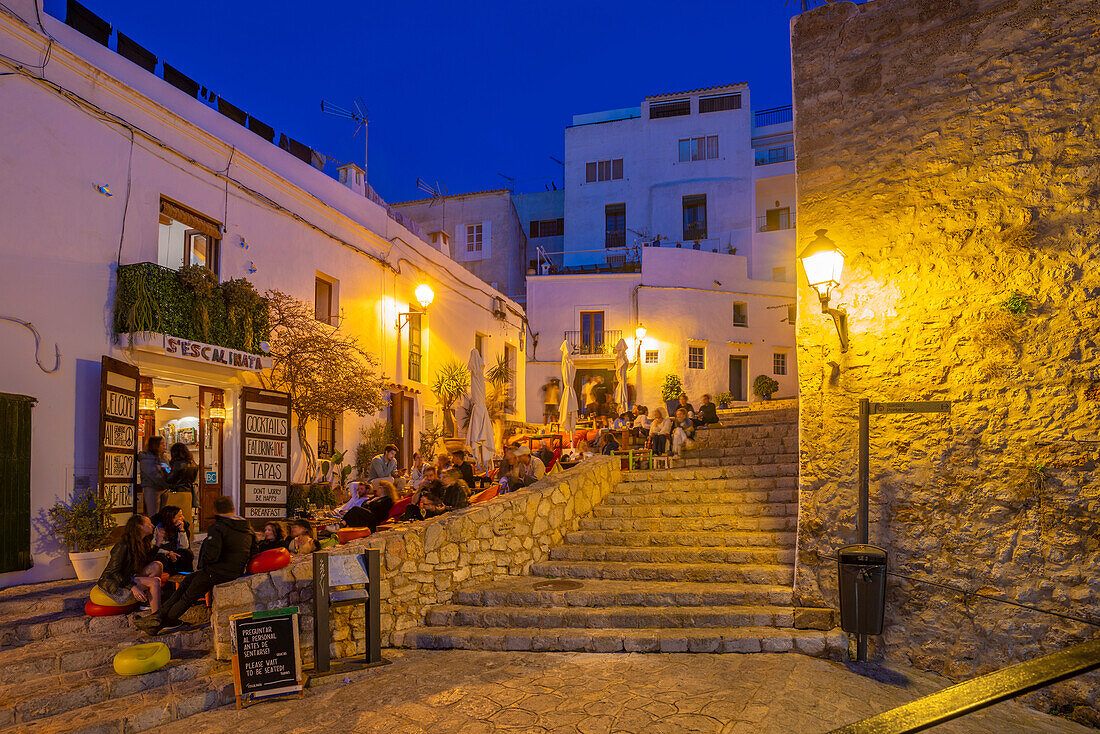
pixel 118 436
pixel 401 426
pixel 211 454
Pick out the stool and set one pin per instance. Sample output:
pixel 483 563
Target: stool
pixel 660 462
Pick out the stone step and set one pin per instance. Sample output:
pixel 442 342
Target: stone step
pixel 42 599
pixel 686 461
pixel 529 591
pixel 715 554
pixel 710 509
pixel 141 711
pixel 686 538
pixel 56 656
pixel 619 617
pixel 53 695
pixel 759 417
pixel 726 524
pixel 746 447
pixel 832 644
pixel 652 486
pixel 690 496
pixel 16 630
pixel 718 472
pixel 715 573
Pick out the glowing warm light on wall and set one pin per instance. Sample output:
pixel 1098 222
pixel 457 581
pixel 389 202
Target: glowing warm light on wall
pixel 824 263
pixel 424 295
pixel 639 333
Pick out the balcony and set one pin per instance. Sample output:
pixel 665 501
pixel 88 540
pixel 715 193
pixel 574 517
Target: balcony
pixel 190 304
pixel 780 154
pixel 614 238
pixel 593 343
pixel 773 116
pixel 781 219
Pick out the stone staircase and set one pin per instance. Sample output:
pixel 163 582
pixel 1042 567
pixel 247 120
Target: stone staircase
pixel 57 675
pixel 695 558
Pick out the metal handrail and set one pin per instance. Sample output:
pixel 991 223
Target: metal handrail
pixel 773 116
pixel 598 342
pixel 764 157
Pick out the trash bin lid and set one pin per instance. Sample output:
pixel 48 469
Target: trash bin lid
pixel 862 554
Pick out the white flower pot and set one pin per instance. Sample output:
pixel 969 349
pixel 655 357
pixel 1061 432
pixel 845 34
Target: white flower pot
pixel 90 565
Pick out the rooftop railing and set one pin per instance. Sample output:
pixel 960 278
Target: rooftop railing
pixel 775 155
pixel 773 116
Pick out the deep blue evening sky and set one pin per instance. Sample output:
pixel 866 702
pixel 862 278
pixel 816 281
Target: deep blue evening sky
pixel 458 92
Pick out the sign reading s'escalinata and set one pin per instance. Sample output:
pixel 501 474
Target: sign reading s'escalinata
pixel 118 394
pixel 265 453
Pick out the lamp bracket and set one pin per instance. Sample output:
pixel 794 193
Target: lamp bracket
pixel 840 320
pixel 402 321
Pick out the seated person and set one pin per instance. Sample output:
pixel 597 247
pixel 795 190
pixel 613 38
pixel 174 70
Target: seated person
pixel 430 504
pixel 302 539
pixel 416 471
pixel 528 468
pixel 272 536
pixel 442 464
pixel 377 510
pixel 545 453
pixel 465 468
pixel 707 415
pixel 360 495
pixel 683 431
pixel 555 455
pixel 641 422
pixel 133 571
pixel 683 403
pixel 456 493
pixel 625 420
pixel 584 450
pixel 172 540
pixel 608 443
pixel 384 466
pixel 660 428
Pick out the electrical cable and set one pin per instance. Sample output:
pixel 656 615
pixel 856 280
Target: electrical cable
pixel 126 201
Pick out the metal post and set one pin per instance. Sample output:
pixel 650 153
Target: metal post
pixel 373 645
pixel 321 634
pixel 863 511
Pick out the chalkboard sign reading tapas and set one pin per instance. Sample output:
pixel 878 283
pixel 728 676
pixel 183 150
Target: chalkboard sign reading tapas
pixel 266 658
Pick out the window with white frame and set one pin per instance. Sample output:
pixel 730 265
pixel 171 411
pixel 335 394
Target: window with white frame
pixel 779 363
pixel 473 238
pixel 698 149
pixel 651 356
pixel 609 170
pixel 697 358
pixel 475 242
pixel 740 314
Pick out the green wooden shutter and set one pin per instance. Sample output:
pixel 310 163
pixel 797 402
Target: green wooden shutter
pixel 15 482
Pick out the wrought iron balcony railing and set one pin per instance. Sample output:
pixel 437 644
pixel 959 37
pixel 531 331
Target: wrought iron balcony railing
pixel 593 342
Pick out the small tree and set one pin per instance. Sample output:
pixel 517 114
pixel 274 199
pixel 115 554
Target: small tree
pixel 324 370
pixel 671 388
pixel 451 384
pixel 500 377
pixel 763 387
pixel 86 523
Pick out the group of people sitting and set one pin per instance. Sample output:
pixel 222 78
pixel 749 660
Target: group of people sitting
pixel 663 434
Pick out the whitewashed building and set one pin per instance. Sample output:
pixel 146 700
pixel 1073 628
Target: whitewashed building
pixel 117 170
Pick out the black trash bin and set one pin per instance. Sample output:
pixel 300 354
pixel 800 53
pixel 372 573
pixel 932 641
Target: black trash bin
pixel 861 576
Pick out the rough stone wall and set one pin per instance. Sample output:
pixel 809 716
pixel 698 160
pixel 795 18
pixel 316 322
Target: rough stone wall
pixel 952 151
pixel 424 562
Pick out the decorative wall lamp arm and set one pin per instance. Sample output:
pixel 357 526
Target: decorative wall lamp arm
pixel 424 296
pixel 823 263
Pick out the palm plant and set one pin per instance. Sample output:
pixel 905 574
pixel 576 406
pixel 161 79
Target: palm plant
pixel 451 384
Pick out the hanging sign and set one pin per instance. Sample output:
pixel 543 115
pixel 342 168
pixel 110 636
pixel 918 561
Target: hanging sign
pixel 265 455
pixel 266 660
pixel 210 354
pixel 118 395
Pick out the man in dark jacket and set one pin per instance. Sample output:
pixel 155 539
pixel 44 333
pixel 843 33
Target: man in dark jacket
pixel 224 556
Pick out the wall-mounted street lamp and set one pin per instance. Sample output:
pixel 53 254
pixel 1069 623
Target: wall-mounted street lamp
pixel 823 262
pixel 147 400
pixel 639 335
pixel 424 296
pixel 216 411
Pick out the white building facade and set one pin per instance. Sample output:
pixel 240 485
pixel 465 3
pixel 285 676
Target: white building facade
pixel 114 174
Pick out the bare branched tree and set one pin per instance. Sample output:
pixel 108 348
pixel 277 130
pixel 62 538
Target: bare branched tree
pixel 324 369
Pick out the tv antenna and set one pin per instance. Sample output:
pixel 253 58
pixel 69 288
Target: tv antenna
pixel 359 115
pixel 437 192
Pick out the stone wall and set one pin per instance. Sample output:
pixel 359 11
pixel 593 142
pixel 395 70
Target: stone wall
pixel 952 151
pixel 424 562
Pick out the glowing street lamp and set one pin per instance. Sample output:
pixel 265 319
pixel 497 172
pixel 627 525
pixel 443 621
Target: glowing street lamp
pixel 823 263
pixel 424 296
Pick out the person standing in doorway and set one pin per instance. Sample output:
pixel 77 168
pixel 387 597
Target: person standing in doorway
pixel 551 399
pixel 588 397
pixel 154 478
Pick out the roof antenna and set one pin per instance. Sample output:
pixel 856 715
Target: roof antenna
pixel 359 116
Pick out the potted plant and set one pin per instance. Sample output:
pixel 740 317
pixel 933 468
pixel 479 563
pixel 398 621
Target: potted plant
pixel 723 399
pixel 451 384
pixel 763 387
pixel 84 527
pixel 671 389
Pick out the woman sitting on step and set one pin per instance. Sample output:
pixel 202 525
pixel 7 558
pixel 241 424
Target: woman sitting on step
pixel 683 432
pixel 660 428
pixel 172 540
pixel 132 571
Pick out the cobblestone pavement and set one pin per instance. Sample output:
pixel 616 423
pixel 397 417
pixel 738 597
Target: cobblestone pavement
pixel 439 692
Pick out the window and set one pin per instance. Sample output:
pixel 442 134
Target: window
pixel 186 237
pixel 779 363
pixel 510 357
pixel 474 243
pixel 651 356
pixel 322 300
pixel 429 420
pixel 479 344
pixel 698 149
pixel 740 314
pixel 695 217
pixel 547 228
pixel 697 358
pixel 591 332
pixel 615 225
pixel 415 341
pixel 326 436
pixel 779 274
pixel 675 108
pixel 608 170
pixel 792 314
pixel 473 238
pixel 720 103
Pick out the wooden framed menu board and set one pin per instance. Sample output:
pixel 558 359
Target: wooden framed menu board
pixel 265 453
pixel 118 422
pixel 267 661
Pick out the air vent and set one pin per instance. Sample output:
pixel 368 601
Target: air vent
pixel 91 25
pixel 720 104
pixel 675 108
pixel 129 49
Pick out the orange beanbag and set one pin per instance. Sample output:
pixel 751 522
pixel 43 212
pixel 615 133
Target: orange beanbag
pixel 269 560
pixel 484 495
pixel 399 508
pixel 592 436
pixel 99 610
pixel 346 535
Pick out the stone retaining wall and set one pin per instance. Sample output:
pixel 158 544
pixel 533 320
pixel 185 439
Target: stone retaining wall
pixel 951 148
pixel 424 562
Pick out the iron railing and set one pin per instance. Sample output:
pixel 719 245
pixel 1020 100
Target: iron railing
pixel 773 116
pixel 781 220
pixel 614 238
pixel 593 342
pixel 780 154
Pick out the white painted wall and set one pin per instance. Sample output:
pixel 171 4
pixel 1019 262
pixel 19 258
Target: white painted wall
pixel 60 240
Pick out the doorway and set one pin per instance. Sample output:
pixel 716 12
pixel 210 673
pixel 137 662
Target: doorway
pixel 738 377
pixel 401 426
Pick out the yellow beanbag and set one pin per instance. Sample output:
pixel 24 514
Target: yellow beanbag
pixel 141 659
pixel 100 597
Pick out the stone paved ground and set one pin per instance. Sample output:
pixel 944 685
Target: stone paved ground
pixel 472 692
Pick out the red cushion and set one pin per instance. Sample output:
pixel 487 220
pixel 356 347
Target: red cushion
pixel 346 535
pixel 398 508
pixel 592 436
pixel 98 610
pixel 164 578
pixel 269 560
pixel 484 495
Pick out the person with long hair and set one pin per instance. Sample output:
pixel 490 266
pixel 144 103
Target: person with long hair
pixel 302 541
pixel 152 475
pixel 172 540
pixel 183 472
pixel 376 510
pixel 273 536
pixel 133 571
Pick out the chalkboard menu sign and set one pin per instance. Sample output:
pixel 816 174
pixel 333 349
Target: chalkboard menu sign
pixel 265 453
pixel 266 658
pixel 118 421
